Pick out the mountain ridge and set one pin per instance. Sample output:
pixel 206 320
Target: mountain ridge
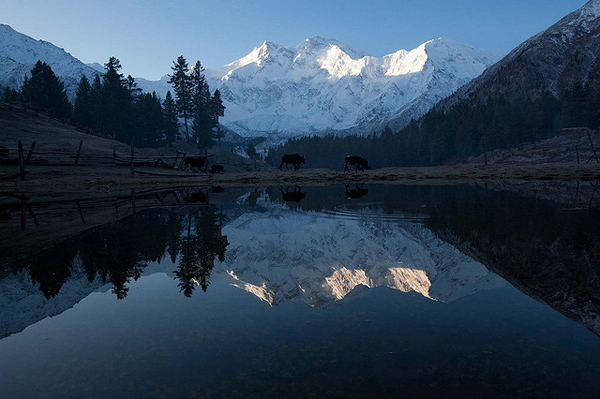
pixel 552 60
pixel 324 86
pixel 19 53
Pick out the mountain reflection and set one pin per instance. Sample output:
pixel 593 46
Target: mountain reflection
pixel 443 243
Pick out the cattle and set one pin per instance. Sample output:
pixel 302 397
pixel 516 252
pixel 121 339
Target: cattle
pixel 292 196
pixel 292 159
pixel 357 161
pixel 198 196
pixel 355 193
pixel 194 162
pixel 216 168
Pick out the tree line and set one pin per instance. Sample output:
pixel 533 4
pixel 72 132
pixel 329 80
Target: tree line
pixel 115 106
pixel 453 135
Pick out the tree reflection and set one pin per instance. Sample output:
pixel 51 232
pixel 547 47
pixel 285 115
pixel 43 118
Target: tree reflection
pixel 118 252
pixel 50 269
pixel 202 242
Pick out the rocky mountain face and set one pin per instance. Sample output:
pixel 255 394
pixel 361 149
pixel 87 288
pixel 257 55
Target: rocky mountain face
pixel 322 85
pixel 565 53
pixel 19 53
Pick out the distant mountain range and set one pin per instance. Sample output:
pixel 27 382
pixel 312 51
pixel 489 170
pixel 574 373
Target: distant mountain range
pixel 322 85
pixel 318 86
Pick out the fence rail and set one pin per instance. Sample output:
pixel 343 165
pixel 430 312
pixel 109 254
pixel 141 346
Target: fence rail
pixel 78 157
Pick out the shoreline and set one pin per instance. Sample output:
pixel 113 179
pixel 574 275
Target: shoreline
pixel 75 179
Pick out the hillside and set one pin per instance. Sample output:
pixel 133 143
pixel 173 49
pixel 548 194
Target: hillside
pixel 19 53
pixel 566 53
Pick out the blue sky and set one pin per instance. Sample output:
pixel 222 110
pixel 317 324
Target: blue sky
pixel 147 35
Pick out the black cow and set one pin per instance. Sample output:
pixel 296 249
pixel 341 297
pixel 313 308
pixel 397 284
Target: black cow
pixel 216 168
pixel 292 159
pixel 194 162
pixel 355 193
pixel 357 161
pixel 198 196
pixel 292 196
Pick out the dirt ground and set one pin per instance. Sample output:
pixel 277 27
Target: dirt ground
pixel 110 178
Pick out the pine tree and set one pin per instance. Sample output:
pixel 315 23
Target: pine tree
pixel 218 110
pixel 115 116
pixel 202 109
pixel 11 96
pixel 83 107
pixel 170 118
pixel 182 86
pixel 149 122
pixel 45 90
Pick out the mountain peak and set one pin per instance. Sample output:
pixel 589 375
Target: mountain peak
pixel 317 43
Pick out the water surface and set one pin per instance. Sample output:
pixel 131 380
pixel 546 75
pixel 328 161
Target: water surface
pixel 355 291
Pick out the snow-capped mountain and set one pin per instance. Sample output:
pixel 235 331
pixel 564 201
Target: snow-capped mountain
pixel 19 53
pixel 553 60
pixel 322 85
pixel 284 254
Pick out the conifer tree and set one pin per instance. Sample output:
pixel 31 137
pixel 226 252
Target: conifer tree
pixel 218 110
pixel 182 86
pixel 45 90
pixel 171 120
pixel 115 103
pixel 148 118
pixel 11 96
pixel 83 107
pixel 202 109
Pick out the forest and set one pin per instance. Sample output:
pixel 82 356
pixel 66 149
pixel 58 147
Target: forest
pixel 113 106
pixel 451 136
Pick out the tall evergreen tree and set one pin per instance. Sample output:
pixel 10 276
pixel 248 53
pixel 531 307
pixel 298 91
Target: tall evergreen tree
pixel 170 118
pixel 202 109
pixel 83 107
pixel 115 103
pixel 11 96
pixel 183 90
pixel 149 121
pixel 45 90
pixel 218 110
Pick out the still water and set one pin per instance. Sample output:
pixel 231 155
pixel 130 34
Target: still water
pixel 342 291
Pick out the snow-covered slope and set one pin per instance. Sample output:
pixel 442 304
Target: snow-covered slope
pixel 322 86
pixel 284 254
pixel 19 53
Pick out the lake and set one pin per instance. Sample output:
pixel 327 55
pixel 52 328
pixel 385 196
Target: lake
pixel 343 291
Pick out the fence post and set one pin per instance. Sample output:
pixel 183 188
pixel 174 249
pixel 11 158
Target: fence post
pixel 132 156
pixel 78 152
pixel 21 161
pixel 30 153
pixel 176 159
